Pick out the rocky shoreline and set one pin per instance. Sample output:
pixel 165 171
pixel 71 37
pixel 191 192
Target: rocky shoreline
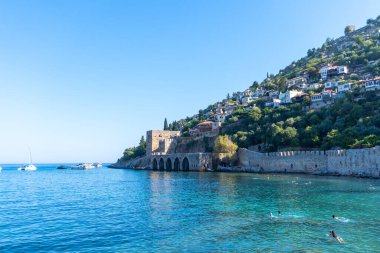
pixel 238 169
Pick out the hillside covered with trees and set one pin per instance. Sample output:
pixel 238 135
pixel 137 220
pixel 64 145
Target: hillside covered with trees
pixel 344 118
pixel 351 121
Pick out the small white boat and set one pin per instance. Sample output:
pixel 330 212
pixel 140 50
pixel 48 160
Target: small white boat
pixel 28 167
pixel 83 166
pixel 97 165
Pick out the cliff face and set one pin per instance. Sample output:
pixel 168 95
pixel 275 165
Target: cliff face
pixel 137 163
pixel 195 145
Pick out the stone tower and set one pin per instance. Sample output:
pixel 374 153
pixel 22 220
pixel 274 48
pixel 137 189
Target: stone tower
pixel 162 142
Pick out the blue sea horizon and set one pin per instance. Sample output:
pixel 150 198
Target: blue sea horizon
pixel 109 210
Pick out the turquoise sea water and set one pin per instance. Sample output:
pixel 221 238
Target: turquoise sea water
pixel 107 210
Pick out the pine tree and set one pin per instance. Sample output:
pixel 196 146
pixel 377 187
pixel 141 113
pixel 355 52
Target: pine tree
pixel 166 124
pixel 142 141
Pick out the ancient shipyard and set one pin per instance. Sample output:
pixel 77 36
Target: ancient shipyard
pixel 161 152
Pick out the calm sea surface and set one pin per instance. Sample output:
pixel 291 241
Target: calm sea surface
pixel 107 210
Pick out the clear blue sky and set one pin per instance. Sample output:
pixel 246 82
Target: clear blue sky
pixel 82 80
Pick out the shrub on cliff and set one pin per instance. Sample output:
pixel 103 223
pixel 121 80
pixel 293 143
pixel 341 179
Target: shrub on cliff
pixel 130 153
pixel 223 144
pixel 367 142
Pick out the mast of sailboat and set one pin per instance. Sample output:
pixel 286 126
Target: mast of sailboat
pixel 30 156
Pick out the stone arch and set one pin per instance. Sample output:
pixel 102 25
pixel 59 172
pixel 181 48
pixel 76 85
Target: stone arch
pixel 168 165
pixel 155 164
pixel 161 164
pixel 185 164
pixel 176 164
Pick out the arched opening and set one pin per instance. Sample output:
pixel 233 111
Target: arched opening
pixel 185 164
pixel 168 164
pixel 161 165
pixel 155 165
pixel 176 164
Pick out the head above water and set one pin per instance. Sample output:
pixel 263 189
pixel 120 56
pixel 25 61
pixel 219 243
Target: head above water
pixel 332 233
pixel 333 216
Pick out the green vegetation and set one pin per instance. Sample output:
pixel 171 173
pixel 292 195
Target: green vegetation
pixel 223 144
pixel 134 152
pixel 166 124
pixel 352 122
pixel 349 29
pixel 362 50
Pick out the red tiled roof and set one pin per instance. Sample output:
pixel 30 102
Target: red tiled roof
pixel 207 122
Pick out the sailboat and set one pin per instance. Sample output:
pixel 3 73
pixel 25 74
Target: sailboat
pixel 30 166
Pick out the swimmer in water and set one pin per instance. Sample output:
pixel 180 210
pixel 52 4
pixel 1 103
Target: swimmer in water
pixel 335 236
pixel 271 215
pixel 336 218
pixel 279 213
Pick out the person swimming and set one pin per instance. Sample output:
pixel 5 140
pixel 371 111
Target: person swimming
pixel 337 218
pixel 279 213
pixel 336 237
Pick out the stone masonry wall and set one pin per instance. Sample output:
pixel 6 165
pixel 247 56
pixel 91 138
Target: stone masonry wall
pixel 356 162
pixel 194 144
pixel 353 162
pixel 161 141
pixel 196 161
pixel 288 161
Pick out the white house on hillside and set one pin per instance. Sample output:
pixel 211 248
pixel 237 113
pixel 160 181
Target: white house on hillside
pixel 273 93
pixel 259 92
pixel 329 71
pixel 247 93
pixel 317 97
pixel 344 87
pixel 220 117
pixel 299 81
pixel 322 99
pixel 247 100
pixel 216 125
pixel 286 97
pixel 329 85
pixel 274 103
pixel 219 110
pixel 372 84
pixel 314 86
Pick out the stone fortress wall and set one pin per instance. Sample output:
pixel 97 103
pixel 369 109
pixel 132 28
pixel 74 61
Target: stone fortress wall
pixel 167 150
pixel 170 142
pixel 352 162
pixel 181 162
pixel 355 162
pixel 161 141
